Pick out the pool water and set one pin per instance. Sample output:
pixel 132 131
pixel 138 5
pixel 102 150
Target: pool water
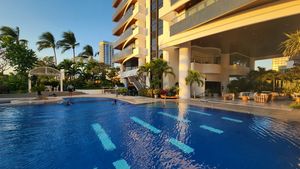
pixel 93 133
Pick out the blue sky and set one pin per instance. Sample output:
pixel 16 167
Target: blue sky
pixel 90 20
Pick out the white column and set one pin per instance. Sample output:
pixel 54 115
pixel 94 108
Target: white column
pixel 225 63
pixel 29 84
pixel 184 66
pixel 61 79
pixel 252 63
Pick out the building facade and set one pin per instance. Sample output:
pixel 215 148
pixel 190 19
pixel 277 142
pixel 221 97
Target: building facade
pixel 106 52
pixel 220 38
pixel 279 63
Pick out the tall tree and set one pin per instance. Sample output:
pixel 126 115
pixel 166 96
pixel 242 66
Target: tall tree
pixel 194 77
pixel 68 42
pixel 291 46
pixel 13 34
pixel 20 57
pixel 47 40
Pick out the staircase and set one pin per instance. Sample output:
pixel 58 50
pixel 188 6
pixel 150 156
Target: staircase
pixel 136 82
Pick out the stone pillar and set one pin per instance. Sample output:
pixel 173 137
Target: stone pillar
pixel 171 56
pixel 61 78
pixel 29 84
pixel 184 66
pixel 225 63
pixel 252 63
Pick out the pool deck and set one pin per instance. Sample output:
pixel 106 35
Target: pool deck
pixel 278 109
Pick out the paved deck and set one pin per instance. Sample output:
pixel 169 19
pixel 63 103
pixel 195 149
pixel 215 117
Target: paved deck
pixel 278 109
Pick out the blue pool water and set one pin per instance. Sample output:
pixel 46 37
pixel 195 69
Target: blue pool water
pixel 95 134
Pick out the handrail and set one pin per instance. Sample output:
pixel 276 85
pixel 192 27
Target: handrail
pixel 198 7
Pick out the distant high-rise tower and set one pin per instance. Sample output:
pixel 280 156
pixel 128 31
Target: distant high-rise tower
pixel 106 52
pixel 279 63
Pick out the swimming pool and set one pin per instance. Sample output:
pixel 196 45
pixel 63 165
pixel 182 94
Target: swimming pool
pixel 93 133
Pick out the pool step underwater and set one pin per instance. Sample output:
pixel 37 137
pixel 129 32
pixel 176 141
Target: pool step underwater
pixel 121 164
pixel 103 137
pixel 211 129
pixel 146 125
pixel 174 117
pixel 185 148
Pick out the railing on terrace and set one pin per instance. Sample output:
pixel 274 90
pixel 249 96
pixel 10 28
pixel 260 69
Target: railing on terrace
pixel 127 15
pixel 124 36
pixel 199 7
pixel 174 2
pixel 207 60
pixel 119 8
pixel 125 52
pixel 203 12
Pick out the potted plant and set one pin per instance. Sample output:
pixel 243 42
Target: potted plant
pixel 39 88
pixel 156 92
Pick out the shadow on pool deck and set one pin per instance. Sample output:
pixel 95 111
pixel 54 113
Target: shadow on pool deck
pixel 279 110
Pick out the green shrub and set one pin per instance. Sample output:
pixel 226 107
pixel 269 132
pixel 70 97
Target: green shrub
pixel 295 105
pixel 149 93
pixel 122 90
pixel 143 92
pixel 156 91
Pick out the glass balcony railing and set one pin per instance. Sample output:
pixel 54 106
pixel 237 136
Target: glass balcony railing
pixel 124 37
pixel 203 12
pixel 124 53
pixel 127 15
pixel 174 2
pixel 119 8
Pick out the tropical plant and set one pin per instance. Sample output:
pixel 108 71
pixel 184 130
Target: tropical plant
pixel 20 57
pixel 68 42
pixel 12 34
pixel 291 46
pixel 157 68
pixel 47 40
pixel 194 77
pixel 87 52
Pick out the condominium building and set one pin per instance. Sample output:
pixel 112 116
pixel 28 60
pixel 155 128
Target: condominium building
pixel 106 52
pixel 279 63
pixel 219 38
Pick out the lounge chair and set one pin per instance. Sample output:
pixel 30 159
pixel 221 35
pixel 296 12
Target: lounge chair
pixel 228 96
pixel 262 98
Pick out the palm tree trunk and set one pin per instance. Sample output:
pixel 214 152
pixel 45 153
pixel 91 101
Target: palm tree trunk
pixel 73 54
pixel 54 51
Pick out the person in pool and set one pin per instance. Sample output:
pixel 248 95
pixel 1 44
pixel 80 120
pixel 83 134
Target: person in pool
pixel 70 88
pixel 115 102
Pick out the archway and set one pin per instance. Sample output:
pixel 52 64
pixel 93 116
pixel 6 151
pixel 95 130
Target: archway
pixel 46 71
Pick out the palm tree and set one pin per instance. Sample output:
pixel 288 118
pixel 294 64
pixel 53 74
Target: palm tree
pixel 157 68
pixel 47 40
pixel 88 52
pixel 291 46
pixel 68 42
pixel 13 34
pixel 194 77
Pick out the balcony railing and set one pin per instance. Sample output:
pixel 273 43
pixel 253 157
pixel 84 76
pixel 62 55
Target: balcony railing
pixel 203 12
pixel 127 15
pixel 119 8
pixel 123 37
pixel 114 3
pixel 174 2
pixel 124 53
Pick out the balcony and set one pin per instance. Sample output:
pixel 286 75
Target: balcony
pixel 130 34
pixel 129 71
pixel 119 57
pixel 122 21
pixel 121 9
pixel 116 3
pixel 133 13
pixel 204 12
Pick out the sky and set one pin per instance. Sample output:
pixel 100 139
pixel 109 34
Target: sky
pixel 90 20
